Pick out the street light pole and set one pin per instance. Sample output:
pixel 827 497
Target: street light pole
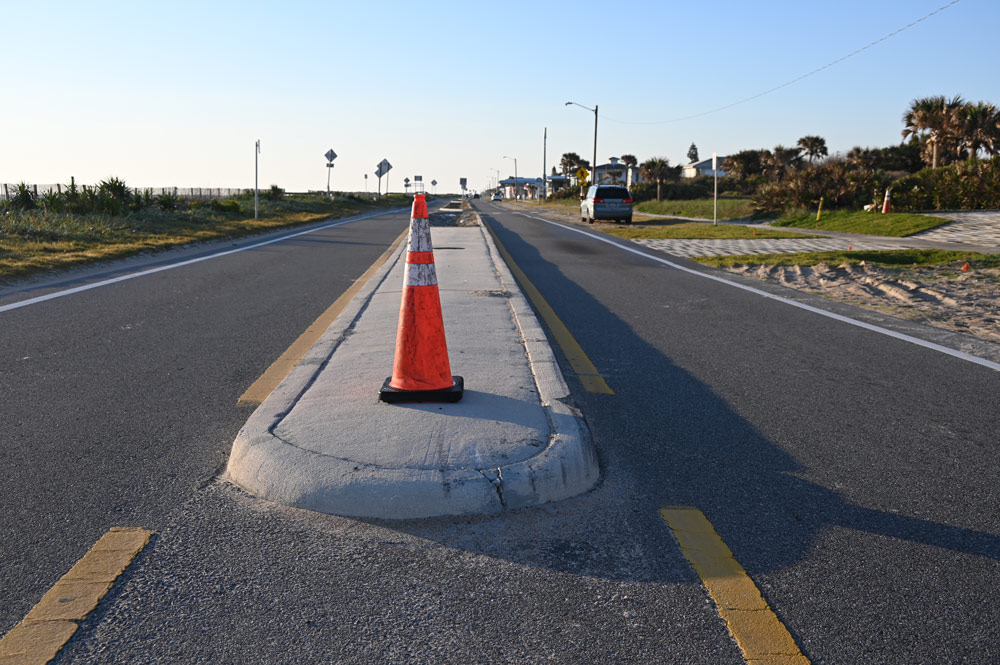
pixel 545 176
pixel 593 172
pixel 515 174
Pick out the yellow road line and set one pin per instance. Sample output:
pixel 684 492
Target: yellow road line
pixel 761 636
pixel 280 368
pixel 50 623
pixel 591 379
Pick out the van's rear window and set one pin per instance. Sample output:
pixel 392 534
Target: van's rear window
pixel 612 193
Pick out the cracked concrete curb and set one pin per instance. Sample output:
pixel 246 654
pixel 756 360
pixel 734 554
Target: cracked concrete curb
pixel 278 471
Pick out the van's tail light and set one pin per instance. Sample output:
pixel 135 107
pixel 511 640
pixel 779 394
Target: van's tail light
pixel 626 200
pixel 596 200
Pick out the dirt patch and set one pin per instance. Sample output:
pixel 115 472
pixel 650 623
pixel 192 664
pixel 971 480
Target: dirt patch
pixel 941 296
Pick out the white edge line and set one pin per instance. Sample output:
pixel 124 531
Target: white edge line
pixel 106 282
pixel 809 308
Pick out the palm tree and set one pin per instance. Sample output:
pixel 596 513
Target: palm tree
pixel 783 160
pixel 569 162
pixel 979 129
pixel 630 160
pixel 745 163
pixel 934 118
pixel 813 147
pixel 658 169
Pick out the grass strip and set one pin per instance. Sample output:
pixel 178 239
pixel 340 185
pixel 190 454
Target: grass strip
pixel 38 240
pixel 729 208
pixel 897 258
pixel 891 225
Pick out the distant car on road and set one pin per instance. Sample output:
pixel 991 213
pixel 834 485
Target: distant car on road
pixel 497 197
pixel 606 202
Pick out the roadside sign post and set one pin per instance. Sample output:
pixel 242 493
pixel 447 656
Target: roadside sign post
pixel 434 184
pixel 383 168
pixel 330 156
pixel 581 177
pixel 463 182
pixel 715 172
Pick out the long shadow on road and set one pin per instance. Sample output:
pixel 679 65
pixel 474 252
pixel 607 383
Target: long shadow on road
pixel 673 440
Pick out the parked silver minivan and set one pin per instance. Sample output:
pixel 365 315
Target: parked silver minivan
pixel 606 202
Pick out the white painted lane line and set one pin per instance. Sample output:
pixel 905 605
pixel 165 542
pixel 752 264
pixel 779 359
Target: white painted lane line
pixel 180 264
pixel 809 308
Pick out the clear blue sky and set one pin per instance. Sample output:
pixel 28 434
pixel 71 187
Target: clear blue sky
pixel 175 94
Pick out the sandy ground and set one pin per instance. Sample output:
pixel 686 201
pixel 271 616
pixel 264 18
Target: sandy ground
pixel 940 296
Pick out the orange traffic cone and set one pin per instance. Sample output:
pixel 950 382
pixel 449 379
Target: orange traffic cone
pixel 850 248
pixel 965 267
pixel 886 205
pixel 420 370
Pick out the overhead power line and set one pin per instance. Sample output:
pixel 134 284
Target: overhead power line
pixel 794 80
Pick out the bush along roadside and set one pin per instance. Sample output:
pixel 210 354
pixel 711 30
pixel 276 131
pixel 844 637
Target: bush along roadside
pixel 968 185
pixel 110 220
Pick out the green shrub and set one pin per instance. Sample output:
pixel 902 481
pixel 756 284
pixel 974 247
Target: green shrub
pixel 684 190
pixel 274 194
pixel 228 206
pixel 52 201
pixel 167 201
pixel 24 197
pixel 968 185
pixel 838 183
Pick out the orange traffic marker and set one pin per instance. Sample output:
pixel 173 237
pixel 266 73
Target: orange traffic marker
pixel 965 267
pixel 886 205
pixel 754 234
pixel 420 370
pixel 850 248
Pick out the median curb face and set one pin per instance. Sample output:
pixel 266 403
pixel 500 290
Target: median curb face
pixel 280 471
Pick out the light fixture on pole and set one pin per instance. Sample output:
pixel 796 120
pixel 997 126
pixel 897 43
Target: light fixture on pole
pixel 515 174
pixel 593 173
pixel 256 152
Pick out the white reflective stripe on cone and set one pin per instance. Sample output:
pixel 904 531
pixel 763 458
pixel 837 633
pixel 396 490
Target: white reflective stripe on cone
pixel 420 274
pixel 420 235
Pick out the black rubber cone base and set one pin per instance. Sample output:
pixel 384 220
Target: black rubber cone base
pixel 395 395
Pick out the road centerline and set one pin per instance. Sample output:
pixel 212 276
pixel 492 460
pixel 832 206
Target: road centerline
pixel 757 630
pixel 55 618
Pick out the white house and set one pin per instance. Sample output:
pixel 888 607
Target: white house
pixel 616 172
pixel 704 167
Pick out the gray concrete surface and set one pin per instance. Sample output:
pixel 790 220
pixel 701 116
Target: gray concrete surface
pixel 322 440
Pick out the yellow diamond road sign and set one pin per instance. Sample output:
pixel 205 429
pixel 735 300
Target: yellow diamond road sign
pixel 582 174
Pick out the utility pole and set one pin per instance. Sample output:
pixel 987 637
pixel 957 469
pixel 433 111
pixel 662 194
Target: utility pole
pixel 593 179
pixel 256 152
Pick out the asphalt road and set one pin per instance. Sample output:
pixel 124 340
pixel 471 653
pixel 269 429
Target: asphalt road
pixel 851 474
pixel 120 401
